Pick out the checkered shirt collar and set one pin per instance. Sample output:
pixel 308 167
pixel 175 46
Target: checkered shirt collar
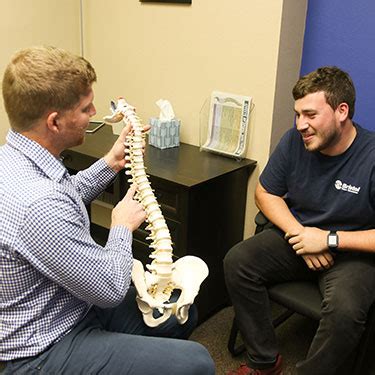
pixel 50 165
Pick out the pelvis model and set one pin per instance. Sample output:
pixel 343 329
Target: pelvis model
pixel 166 287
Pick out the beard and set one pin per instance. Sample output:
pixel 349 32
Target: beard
pixel 322 141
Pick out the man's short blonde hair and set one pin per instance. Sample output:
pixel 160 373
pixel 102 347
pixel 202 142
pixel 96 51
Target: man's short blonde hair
pixel 39 80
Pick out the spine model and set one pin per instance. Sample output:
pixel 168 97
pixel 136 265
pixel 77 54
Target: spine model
pixel 166 287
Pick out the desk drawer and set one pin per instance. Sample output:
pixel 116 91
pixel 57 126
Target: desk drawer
pixel 169 198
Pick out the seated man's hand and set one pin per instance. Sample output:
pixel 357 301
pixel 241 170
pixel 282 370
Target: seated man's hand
pixel 311 244
pixel 319 262
pixel 309 240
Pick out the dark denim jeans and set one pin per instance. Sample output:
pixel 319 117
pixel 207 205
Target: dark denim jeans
pixel 347 289
pixel 116 341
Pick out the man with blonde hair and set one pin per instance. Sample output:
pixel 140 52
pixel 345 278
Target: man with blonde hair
pixel 66 302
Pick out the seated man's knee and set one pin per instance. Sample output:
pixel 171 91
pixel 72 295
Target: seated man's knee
pixel 242 252
pixel 343 317
pixel 188 358
pixel 239 260
pixel 200 359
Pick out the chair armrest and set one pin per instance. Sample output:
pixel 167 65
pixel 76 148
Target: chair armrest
pixel 261 222
pixel 260 219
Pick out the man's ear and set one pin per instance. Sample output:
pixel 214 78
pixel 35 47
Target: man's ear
pixel 53 122
pixel 343 111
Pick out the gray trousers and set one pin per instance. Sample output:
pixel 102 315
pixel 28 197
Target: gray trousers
pixel 116 341
pixel 348 290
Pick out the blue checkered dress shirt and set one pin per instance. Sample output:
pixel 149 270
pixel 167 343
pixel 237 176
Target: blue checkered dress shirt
pixel 51 270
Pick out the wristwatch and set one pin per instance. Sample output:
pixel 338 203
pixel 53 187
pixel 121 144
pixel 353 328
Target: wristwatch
pixel 333 241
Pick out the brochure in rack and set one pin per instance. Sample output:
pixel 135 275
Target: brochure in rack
pixel 228 124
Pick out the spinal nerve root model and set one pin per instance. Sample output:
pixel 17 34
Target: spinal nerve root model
pixel 166 287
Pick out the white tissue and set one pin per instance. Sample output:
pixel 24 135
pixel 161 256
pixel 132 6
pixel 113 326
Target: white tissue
pixel 166 110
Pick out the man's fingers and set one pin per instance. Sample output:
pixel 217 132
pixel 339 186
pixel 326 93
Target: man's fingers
pixel 298 248
pixel 131 192
pixel 329 258
pixel 317 264
pixel 146 127
pixel 125 132
pixel 309 263
pixel 288 235
pixel 294 241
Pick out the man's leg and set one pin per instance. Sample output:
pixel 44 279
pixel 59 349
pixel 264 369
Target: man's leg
pixel 348 291
pixel 249 267
pixel 98 345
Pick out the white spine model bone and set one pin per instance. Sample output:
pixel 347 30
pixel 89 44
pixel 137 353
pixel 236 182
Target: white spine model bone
pixel 155 286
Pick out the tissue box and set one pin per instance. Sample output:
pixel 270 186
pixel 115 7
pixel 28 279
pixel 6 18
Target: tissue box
pixel 164 134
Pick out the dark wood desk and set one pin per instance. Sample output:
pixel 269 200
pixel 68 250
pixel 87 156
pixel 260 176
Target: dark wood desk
pixel 203 199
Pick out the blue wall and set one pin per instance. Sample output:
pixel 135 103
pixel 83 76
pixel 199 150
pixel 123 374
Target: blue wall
pixel 342 33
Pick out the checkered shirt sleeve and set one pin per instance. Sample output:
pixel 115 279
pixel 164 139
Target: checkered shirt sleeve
pixel 52 271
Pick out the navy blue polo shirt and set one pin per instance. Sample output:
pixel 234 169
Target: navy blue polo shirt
pixel 328 192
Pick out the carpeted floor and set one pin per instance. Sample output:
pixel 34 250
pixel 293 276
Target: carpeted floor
pixel 294 337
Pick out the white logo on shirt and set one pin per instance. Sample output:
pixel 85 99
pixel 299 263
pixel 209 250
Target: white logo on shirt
pixel 339 185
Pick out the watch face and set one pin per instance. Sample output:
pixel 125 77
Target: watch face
pixel 332 240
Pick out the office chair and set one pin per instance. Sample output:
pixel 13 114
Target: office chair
pixel 304 298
